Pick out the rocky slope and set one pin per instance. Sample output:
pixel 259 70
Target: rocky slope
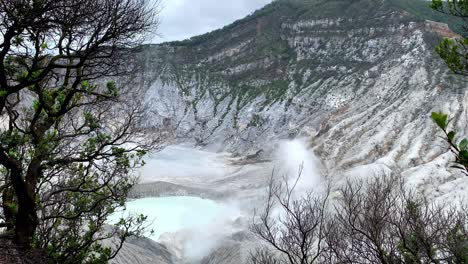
pixel 143 251
pixel 357 78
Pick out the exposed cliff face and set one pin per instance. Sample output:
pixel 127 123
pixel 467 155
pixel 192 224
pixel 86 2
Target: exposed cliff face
pixel 359 78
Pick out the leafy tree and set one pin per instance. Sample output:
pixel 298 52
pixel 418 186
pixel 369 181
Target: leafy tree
pixel 69 137
pixel 454 51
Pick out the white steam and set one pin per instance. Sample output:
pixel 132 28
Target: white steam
pixel 295 160
pixel 201 241
pixel 176 162
pixel 192 227
pixel 191 224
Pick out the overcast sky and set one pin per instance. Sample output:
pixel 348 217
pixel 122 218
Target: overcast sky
pixel 182 19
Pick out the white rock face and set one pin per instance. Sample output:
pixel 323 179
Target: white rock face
pixel 372 108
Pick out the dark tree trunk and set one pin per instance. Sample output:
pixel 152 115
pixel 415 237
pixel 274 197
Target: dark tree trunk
pixel 26 224
pixel 26 217
pixel 7 203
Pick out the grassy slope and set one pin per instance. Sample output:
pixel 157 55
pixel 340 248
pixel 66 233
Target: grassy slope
pixel 325 8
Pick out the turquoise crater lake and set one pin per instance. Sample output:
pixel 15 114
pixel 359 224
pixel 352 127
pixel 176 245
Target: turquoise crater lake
pixel 173 214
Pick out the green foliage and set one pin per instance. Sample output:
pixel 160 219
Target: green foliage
pixel 437 5
pixel 94 191
pixel 460 149
pixel 256 121
pixel 18 40
pixel 36 74
pixel 112 89
pixel 451 135
pixel 408 249
pixel 14 142
pixel 410 244
pixel 84 84
pixel 463 144
pixel 91 121
pixel 440 119
pixel 454 51
pixel 67 145
pixel 455 55
pixel 454 7
pixel 22 76
pixel 12 206
pixel 458 241
pixel 74 238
